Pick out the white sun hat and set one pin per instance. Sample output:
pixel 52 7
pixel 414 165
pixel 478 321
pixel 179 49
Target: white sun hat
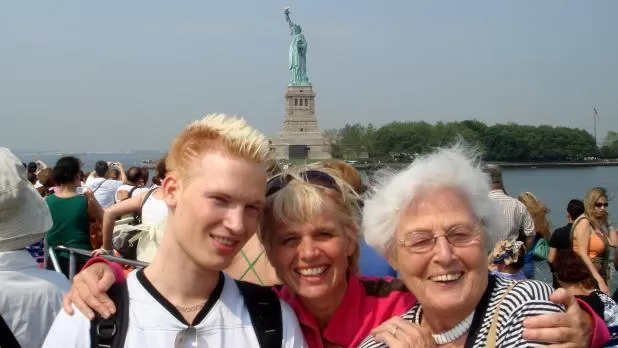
pixel 24 215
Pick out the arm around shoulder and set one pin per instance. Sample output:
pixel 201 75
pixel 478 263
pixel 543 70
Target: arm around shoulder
pixel 292 334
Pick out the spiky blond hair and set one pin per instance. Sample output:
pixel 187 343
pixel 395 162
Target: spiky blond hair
pixel 230 135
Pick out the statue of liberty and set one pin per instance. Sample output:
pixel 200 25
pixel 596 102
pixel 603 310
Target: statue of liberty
pixel 297 54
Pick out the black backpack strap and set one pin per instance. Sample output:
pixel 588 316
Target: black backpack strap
pixel 265 311
pixel 112 332
pixel 7 338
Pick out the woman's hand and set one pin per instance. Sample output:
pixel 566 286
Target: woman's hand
pixel 88 291
pixel 100 251
pixel 399 333
pixel 570 329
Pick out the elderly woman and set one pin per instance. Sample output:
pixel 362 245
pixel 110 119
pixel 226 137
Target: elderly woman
pixel 435 222
pixel 309 231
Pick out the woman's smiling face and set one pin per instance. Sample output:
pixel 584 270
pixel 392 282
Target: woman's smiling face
pixel 311 258
pixel 443 277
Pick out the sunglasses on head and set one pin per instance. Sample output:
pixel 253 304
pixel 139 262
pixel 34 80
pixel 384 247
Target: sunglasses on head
pixel 316 177
pixel 599 205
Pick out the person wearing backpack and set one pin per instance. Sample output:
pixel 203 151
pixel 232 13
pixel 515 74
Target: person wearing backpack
pixel 214 190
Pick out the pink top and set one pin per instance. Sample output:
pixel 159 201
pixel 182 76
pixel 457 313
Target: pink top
pixel 367 303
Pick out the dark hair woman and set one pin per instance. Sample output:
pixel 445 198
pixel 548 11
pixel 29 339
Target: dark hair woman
pixel 70 212
pixel 574 276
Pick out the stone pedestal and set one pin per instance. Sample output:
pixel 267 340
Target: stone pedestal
pixel 300 136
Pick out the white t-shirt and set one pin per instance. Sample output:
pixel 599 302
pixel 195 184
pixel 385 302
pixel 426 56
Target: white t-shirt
pixel 104 190
pixel 128 188
pixel 152 324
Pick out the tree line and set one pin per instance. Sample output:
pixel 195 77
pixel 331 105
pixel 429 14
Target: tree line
pixel 500 142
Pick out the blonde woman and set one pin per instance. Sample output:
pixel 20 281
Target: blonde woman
pixel 593 235
pixel 536 266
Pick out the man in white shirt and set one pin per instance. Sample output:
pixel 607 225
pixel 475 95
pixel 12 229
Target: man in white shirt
pixel 30 298
pixel 214 189
pixel 104 189
pixel 517 219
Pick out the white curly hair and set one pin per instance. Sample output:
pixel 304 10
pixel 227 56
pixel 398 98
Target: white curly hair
pixel 457 166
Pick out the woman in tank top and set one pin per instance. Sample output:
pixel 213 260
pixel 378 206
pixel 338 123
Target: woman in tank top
pixel 592 233
pixel 153 213
pixel 70 212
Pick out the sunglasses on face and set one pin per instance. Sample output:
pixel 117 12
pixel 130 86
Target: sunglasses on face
pixel 315 177
pixel 599 205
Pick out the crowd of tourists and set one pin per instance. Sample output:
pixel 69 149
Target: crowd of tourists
pixel 242 253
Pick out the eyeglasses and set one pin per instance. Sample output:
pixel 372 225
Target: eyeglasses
pixel 599 205
pixel 188 338
pixel 316 177
pixel 421 242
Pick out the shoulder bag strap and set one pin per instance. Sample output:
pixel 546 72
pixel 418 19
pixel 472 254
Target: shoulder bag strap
pixel 112 332
pixel 148 194
pixel 131 191
pixel 137 216
pixel 572 232
pixel 7 338
pixel 491 335
pixel 265 311
pixel 98 187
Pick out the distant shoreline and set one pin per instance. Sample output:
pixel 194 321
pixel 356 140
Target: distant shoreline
pixel 608 163
pixel 509 165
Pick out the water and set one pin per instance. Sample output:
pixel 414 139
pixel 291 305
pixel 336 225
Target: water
pixel 128 159
pixel 556 186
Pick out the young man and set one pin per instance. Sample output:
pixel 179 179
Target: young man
pixel 561 238
pixel 214 189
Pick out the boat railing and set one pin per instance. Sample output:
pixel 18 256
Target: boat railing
pixel 73 252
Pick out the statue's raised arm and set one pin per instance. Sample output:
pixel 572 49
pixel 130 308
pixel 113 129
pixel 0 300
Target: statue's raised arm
pixel 287 16
pixel 297 53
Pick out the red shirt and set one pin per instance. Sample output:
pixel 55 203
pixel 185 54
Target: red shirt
pixel 368 302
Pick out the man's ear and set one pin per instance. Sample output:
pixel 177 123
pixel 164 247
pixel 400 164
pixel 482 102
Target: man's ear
pixel 172 189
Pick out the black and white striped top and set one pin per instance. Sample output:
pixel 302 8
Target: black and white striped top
pixel 528 298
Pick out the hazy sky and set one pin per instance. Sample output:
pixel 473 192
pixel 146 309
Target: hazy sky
pixel 120 75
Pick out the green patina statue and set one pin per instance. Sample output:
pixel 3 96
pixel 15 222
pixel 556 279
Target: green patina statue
pixel 297 54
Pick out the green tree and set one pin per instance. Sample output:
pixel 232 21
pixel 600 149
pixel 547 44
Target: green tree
pixel 500 142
